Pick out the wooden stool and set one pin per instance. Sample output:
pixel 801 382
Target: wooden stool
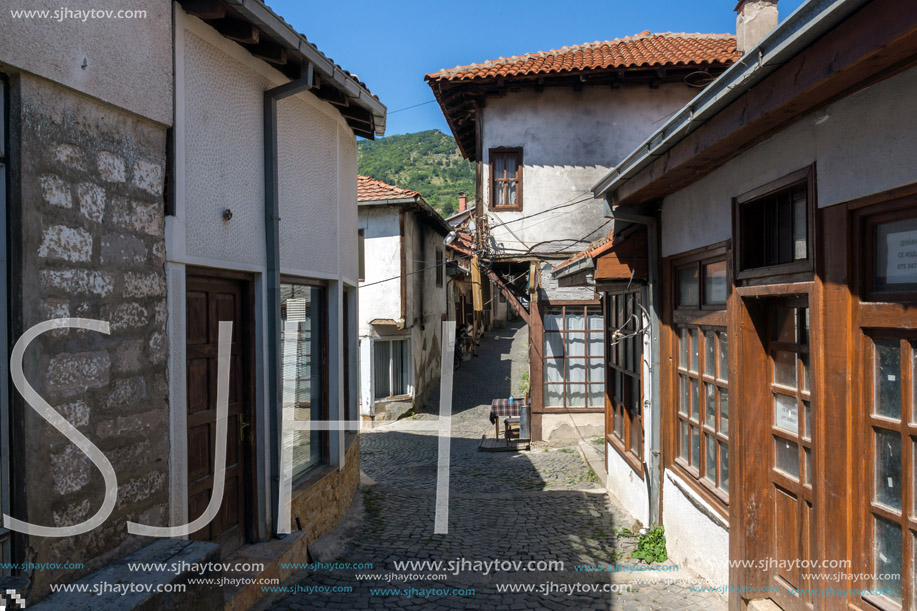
pixel 511 428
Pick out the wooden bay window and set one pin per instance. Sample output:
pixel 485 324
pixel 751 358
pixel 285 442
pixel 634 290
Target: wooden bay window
pixel 625 322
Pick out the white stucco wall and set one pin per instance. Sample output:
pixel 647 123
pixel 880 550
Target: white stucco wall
pixel 696 538
pixel 128 62
pixel 569 140
pixel 627 487
pixel 861 144
pixel 382 260
pixel 218 165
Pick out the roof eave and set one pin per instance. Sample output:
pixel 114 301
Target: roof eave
pixel 809 22
pixel 260 15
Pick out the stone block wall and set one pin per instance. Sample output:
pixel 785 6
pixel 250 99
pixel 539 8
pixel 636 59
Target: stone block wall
pixel 88 230
pixel 321 503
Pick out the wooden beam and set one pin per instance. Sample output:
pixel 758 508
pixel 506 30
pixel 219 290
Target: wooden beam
pixel 238 30
pixel 510 296
pixel 270 52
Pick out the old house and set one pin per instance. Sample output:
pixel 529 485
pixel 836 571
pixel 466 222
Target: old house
pixel 529 123
pixel 769 227
pixel 402 298
pixel 205 172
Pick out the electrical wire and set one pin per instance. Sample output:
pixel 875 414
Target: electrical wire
pixel 391 112
pixel 417 271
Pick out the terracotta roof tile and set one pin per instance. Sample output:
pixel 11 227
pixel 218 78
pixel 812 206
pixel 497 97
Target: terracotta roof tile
pixel 370 190
pixel 645 50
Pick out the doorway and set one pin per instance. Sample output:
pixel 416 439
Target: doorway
pixel 210 300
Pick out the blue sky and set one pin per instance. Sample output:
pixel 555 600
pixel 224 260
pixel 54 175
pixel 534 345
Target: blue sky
pixel 392 45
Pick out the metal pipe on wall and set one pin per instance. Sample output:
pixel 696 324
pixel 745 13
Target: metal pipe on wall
pixel 272 284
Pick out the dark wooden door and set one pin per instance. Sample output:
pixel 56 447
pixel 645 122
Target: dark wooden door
pixel 792 454
pixel 209 301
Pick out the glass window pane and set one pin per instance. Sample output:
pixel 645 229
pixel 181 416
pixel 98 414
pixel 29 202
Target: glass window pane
pixel 888 378
pixel 805 371
pixel 553 370
pixel 596 395
pixel 301 368
pixel 887 557
pixel 709 353
pixel 710 406
pixel 710 458
pixel 575 344
pixel 499 166
pixel 787 457
pixel 888 468
pixel 619 385
pixel 685 440
pixel 683 402
pixel 553 319
pixel 724 411
pixel 683 344
pixel 785 368
pixel 511 163
pixel 499 194
pixel 576 395
pixel 576 319
pixel 597 345
pixel 635 435
pixel 553 395
pixel 576 370
pixel 687 287
pixel 695 447
pixel 800 210
pixel 619 423
pixel 553 345
pixel 715 283
pixel 807 412
pixel 785 325
pixel 695 354
pixel 382 357
pixel 510 194
pixel 695 400
pixel 596 321
pixel 596 370
pixel 723 372
pixel 724 467
pixel 786 413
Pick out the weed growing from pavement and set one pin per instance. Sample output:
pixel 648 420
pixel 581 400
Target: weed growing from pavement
pixel 651 546
pixel 372 504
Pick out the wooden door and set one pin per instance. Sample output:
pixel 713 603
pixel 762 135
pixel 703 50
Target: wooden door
pixel 791 442
pixel 209 301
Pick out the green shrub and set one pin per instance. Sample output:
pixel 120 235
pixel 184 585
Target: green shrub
pixel 651 546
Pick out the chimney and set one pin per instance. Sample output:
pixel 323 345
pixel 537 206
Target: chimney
pixel 463 203
pixel 755 19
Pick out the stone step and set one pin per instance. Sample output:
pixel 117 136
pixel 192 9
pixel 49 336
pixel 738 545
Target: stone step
pixel 270 555
pixel 106 588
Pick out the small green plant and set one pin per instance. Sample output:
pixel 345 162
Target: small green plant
pixel 623 532
pixel 524 384
pixel 651 546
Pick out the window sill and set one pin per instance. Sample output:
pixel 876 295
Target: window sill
pixel 697 487
pixel 395 399
pixel 632 460
pixel 310 478
pixel 506 208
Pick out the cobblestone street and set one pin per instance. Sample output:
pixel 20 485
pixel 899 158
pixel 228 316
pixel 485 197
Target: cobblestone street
pixel 539 505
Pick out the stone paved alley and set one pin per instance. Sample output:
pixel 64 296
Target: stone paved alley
pixel 542 504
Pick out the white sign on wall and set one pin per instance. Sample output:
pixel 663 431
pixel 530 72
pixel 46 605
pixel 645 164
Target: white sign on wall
pixel 901 266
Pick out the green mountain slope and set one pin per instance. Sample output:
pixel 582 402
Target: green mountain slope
pixel 428 162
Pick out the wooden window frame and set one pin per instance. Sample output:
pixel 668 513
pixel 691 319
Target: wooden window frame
pixel 494 179
pixel 408 373
pixel 324 437
pixel 906 427
pixel 587 357
pixel 617 403
pixel 898 210
pixel 702 318
pixel 783 272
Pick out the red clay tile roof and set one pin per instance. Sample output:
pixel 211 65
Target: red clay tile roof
pixel 370 190
pixel 645 50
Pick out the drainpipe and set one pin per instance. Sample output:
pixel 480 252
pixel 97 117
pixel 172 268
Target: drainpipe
pixel 653 470
pixel 272 277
